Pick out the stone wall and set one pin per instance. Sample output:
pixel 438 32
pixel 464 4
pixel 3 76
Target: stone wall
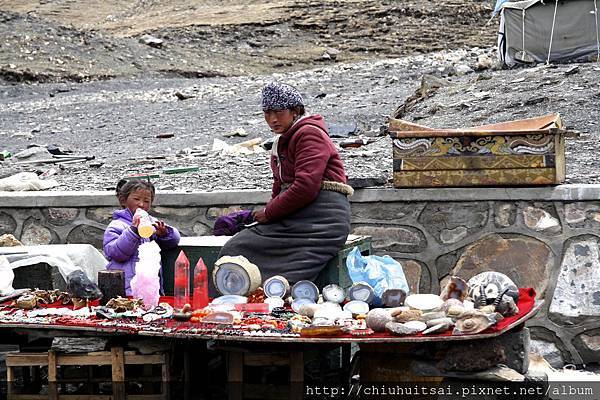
pixel 545 238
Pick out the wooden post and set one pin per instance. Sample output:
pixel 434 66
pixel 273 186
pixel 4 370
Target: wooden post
pixel 51 366
pixel 296 367
pixel 118 372
pixel 235 367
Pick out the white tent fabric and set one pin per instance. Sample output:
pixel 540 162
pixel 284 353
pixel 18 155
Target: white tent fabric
pixel 537 31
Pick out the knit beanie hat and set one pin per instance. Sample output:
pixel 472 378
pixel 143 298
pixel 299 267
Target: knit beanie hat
pixel 279 96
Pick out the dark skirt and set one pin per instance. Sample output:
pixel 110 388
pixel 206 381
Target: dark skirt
pixel 299 246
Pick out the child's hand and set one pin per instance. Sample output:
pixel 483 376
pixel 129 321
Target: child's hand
pixel 161 228
pixel 135 221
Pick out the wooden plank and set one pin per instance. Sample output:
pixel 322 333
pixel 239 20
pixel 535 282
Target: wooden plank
pixel 474 162
pixel 262 359
pixel 85 397
pixel 559 145
pixel 472 133
pixel 469 146
pixel 84 359
pixel 545 121
pixel 26 359
pixel 144 359
pixel 147 396
pixel 490 177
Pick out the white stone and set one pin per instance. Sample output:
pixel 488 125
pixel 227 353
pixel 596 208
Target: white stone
pixel 574 214
pixel 577 290
pixel 462 69
pixel 540 220
pixel 35 234
pixel 591 342
pixel 449 236
pixel 503 213
pixel 548 351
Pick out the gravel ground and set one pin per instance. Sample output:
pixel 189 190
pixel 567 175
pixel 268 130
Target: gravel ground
pixel 118 121
pixel 85 82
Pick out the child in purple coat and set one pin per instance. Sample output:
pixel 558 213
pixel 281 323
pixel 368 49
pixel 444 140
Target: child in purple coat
pixel 121 238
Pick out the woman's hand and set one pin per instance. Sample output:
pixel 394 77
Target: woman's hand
pixel 161 228
pixel 260 216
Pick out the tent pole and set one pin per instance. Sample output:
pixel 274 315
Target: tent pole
pixel 552 32
pixel 597 38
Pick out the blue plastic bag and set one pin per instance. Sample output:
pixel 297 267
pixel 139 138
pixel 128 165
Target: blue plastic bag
pixel 380 272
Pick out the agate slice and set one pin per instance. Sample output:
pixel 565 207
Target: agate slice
pixel 305 290
pixel 393 297
pixel 356 307
pixel 274 302
pixel 276 286
pixel 456 288
pixel 236 275
pixel 334 293
pixel 230 299
pixel 361 291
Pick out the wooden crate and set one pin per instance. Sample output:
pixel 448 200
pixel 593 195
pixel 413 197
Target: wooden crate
pixel 117 358
pixel 519 153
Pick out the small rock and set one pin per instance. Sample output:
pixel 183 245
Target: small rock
pixel 574 214
pixel 483 63
pixel 540 220
pixel 25 135
pixel 238 132
pixel 463 69
pixel 448 236
pixel 183 96
pixel 151 41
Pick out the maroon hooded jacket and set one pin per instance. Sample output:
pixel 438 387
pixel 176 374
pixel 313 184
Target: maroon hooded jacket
pixel 308 157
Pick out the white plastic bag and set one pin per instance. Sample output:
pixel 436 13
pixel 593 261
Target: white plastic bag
pixel 24 181
pixel 6 277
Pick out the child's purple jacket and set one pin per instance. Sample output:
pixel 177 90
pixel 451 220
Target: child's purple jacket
pixel 121 244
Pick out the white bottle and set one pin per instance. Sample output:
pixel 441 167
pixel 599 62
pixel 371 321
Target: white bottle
pixel 145 227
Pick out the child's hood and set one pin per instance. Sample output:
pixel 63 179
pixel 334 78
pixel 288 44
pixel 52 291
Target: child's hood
pixel 123 215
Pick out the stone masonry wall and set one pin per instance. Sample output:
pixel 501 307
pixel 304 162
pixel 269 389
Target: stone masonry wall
pixel 545 238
